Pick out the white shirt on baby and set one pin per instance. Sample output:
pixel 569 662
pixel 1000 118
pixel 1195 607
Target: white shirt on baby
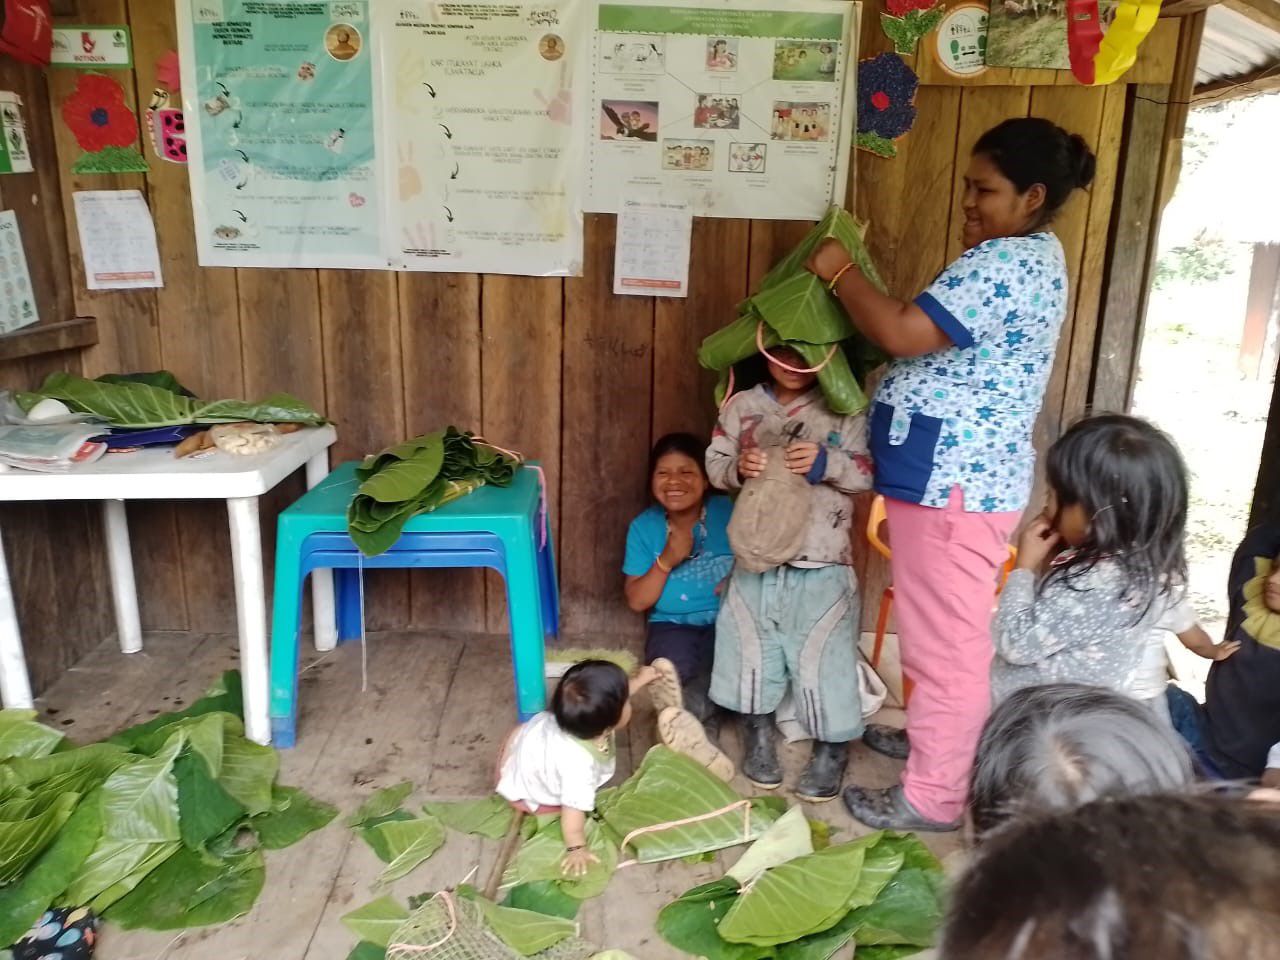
pixel 1177 616
pixel 546 767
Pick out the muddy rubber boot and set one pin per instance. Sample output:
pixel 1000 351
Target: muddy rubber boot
pixel 760 752
pixel 823 777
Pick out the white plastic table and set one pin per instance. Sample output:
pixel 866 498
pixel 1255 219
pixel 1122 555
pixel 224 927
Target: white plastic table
pixel 155 474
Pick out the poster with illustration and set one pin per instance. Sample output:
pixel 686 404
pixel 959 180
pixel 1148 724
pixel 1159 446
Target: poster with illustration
pixel 1033 33
pixel 741 108
pixel 279 102
pixel 487 134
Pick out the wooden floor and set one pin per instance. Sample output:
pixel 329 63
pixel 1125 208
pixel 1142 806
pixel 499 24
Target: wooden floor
pixel 433 711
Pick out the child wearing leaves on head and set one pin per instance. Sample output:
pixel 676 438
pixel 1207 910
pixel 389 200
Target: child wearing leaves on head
pixel 796 624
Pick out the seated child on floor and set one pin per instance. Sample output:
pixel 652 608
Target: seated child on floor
pixel 556 761
pixel 1102 568
pixel 796 624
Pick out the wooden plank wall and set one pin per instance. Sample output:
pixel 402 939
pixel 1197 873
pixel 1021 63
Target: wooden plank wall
pixel 560 369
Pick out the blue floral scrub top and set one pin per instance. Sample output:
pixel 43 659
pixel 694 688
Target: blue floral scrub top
pixel 964 416
pixel 690 593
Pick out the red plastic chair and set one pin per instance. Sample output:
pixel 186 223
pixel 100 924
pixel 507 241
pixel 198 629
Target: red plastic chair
pixel 875 521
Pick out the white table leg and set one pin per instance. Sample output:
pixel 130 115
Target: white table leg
pixel 323 611
pixel 251 613
pixel 124 591
pixel 15 686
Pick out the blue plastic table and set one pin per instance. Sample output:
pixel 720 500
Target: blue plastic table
pixel 494 527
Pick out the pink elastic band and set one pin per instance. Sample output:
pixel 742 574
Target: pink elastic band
pixel 772 359
pixel 659 827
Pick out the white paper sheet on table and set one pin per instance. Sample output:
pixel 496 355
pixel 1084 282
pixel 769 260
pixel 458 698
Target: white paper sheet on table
pixel 652 251
pixel 117 240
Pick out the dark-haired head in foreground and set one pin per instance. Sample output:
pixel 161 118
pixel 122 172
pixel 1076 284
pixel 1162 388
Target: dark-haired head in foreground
pixel 1146 878
pixel 591 698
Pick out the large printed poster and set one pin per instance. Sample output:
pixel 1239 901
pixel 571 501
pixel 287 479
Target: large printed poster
pixel 488 137
pixel 742 107
pixel 279 106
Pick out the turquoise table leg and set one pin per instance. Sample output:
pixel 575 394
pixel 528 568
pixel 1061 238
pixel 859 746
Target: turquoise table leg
pixel 525 614
pixel 285 623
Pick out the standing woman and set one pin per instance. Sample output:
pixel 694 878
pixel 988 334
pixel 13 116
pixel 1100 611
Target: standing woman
pixel 950 434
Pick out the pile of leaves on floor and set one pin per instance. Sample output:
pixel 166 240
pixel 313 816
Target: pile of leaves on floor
pixel 793 308
pixel 149 400
pixel 790 896
pixel 163 826
pixel 417 476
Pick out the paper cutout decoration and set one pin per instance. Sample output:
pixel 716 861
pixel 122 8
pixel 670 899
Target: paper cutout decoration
pixel 1098 58
pixel 886 103
pixel 961 43
pixel 906 21
pixel 103 125
pixel 166 128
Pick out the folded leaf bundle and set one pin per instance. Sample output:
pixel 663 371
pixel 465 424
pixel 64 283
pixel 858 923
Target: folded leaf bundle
pixel 793 308
pixel 418 476
pixel 158 400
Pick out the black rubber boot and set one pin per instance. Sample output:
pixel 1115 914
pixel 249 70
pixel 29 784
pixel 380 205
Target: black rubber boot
pixel 887 740
pixel 759 752
pixel 824 775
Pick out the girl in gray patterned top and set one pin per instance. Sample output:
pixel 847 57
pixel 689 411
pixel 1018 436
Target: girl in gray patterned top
pixel 1100 566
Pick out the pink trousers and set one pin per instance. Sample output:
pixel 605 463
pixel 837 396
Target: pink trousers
pixel 945 563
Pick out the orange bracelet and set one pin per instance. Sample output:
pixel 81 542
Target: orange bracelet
pixel 831 287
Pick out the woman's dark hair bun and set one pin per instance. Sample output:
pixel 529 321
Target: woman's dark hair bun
pixel 1086 163
pixel 1031 150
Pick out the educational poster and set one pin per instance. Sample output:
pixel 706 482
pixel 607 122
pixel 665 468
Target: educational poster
pixel 487 137
pixel 1033 33
pixel 17 302
pixel 279 106
pixel 743 108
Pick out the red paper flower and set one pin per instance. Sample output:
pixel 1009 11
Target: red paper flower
pixel 97 114
pixel 900 8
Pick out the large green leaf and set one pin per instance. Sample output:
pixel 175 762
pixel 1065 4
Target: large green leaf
pixel 226 696
pixel 192 889
pixel 524 931
pixel 543 896
pixel 381 803
pixel 908 911
pixel 135 404
pixel 404 844
pixel 375 922
pixel 364 950
pixel 789 837
pixel 293 815
pixel 21 841
pixel 403 478
pixel 539 858
pixel 488 817
pixel 804 896
pixel 162 379
pixel 140 801
pixel 70 771
pixel 21 736
pixel 670 787
pixel 22 903
pixel 881 865
pixel 248 772
pixel 690 923
pixel 205 810
pixel 113 869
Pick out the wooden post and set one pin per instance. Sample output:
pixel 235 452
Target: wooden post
pixel 1264 287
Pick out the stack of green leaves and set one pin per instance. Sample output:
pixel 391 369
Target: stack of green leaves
pixel 416 476
pixel 785 901
pixel 143 400
pixel 793 308
pixel 162 826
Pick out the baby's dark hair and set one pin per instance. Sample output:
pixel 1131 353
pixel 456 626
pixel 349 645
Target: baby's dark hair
pixel 1131 482
pixel 686 443
pixel 589 698
pixel 1147 878
pixel 1031 150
